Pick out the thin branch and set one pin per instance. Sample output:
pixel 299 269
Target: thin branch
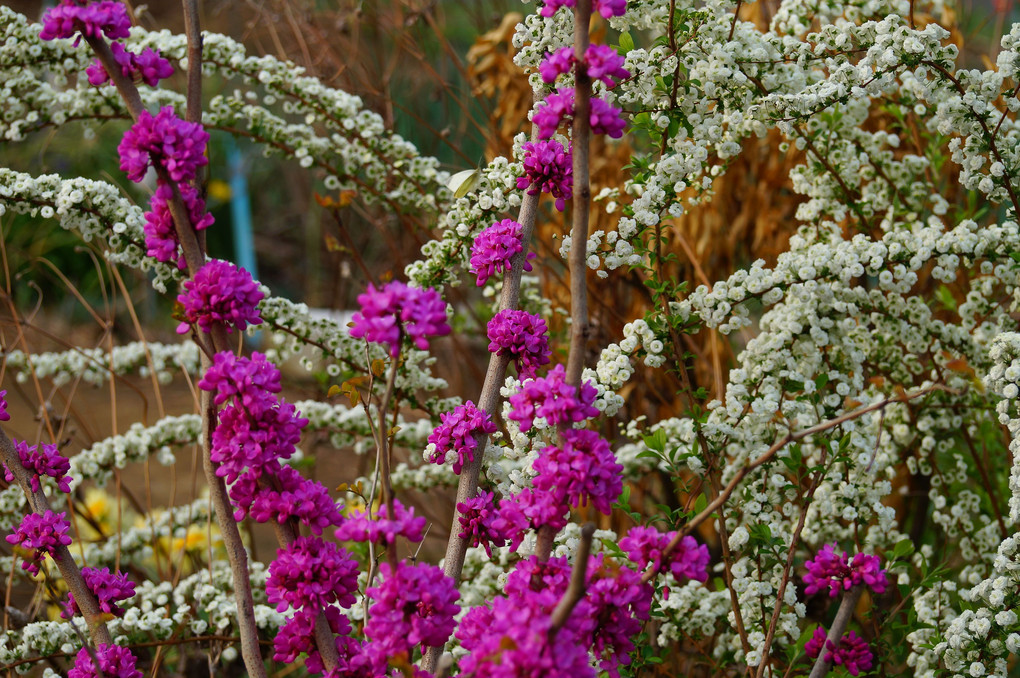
pixel 580 140
pixel 576 588
pixel 467 487
pixel 84 598
pixel 839 624
pixel 232 542
pixel 767 456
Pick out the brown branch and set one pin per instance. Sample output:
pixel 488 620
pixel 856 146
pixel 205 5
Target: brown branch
pixel 576 588
pixel 195 257
pixel 767 456
pixel 84 598
pixel 580 140
pixel 788 567
pixel 467 487
pixel 232 542
pixel 839 624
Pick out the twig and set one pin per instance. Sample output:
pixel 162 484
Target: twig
pixel 194 258
pixel 488 401
pixel 788 567
pixel 766 456
pixel 232 542
pixel 575 590
pixel 843 615
pixel 37 501
pixel 580 140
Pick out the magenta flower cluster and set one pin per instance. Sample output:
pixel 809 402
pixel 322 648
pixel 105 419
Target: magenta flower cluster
pixel 70 17
pixel 601 62
pixel 149 66
pixel 607 8
pixel 4 416
pixel 109 588
pixel 480 522
pixel 397 310
pixel 161 239
pixel 312 573
pixel 582 469
pixel 290 496
pixel 554 399
pixel 41 535
pixel 457 432
pixel 257 430
pixel 383 529
pixel 852 651
pixel 114 662
pixel 646 546
pixel 523 337
pixel 831 571
pixel 603 117
pixel 177 145
pixel 41 460
pixel 413 605
pixel 548 168
pixel 494 248
pixel 220 293
pixel 512 636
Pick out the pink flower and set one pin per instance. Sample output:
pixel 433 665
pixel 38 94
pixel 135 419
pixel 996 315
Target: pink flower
pixel 607 8
pixel 868 570
pixel 177 145
pixel 114 662
pixel 411 606
pixel 478 522
pixel 645 546
pixel 359 527
pixel 510 637
pixel 494 248
pixel 289 495
pixel 312 574
pixel 458 431
pixel 619 604
pixel 108 18
pixel 557 63
pixel 581 469
pixel 220 293
pixel 396 310
pixel 4 416
pixel 46 461
pixel 603 63
pixel 40 534
pixel 605 119
pixel 548 169
pixel 148 66
pixel 832 571
pixel 109 589
pixel 522 336
pixel 852 651
pixel 250 380
pixel 554 399
pixel 257 429
pixel 160 234
pixel 530 508
pixel 557 107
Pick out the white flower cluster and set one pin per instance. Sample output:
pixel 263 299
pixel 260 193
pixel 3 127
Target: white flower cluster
pixel 96 365
pixel 200 604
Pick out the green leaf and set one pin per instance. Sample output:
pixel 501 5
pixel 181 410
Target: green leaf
pixel 656 441
pixel 626 43
pixel 904 547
